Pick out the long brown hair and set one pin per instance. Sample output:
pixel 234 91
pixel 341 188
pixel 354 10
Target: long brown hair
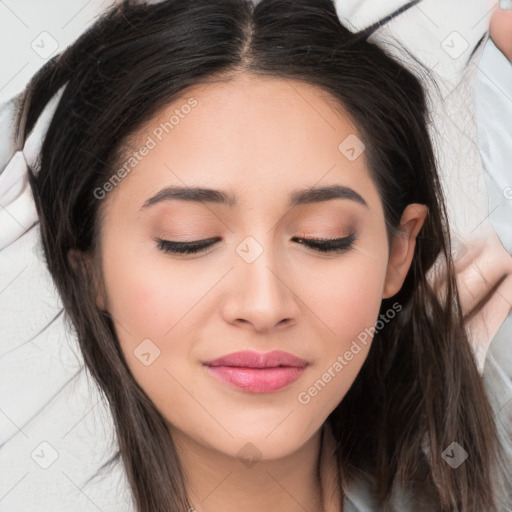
pixel 419 386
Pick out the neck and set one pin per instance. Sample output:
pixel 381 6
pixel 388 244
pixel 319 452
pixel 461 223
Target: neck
pixel 217 482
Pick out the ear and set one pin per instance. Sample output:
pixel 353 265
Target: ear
pixel 78 260
pixel 402 248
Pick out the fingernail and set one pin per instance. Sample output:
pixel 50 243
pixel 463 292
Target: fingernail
pixel 506 5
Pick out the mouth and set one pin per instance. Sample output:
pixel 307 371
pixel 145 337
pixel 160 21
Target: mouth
pixel 257 372
pixel 257 380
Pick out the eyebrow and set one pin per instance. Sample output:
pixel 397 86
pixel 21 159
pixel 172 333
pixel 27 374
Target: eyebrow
pixel 300 197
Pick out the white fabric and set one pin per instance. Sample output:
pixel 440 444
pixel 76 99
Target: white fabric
pixel 494 89
pixel 46 396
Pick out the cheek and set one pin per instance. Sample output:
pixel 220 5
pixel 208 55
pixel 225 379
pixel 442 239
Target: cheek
pixel 350 310
pixel 346 298
pixel 148 296
pixel 152 306
pixel 351 298
pixel 158 308
pixel 347 294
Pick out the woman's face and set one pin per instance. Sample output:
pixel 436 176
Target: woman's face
pixel 261 143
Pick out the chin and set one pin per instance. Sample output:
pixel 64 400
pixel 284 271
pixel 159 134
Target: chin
pixel 266 443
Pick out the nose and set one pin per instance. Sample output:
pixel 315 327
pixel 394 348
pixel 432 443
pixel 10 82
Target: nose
pixel 261 296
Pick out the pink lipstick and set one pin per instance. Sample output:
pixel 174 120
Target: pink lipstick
pixel 257 372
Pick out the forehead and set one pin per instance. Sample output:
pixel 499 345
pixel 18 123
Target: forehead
pixel 258 135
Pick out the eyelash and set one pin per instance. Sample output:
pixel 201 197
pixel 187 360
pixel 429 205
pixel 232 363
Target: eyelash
pixel 336 245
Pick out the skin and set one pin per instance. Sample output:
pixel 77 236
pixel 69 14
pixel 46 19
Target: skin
pixel 501 31
pixel 260 139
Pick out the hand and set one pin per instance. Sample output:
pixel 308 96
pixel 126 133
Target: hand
pixel 501 31
pixel 483 270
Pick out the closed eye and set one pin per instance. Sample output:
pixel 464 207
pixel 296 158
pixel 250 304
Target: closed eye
pixel 335 245
pixel 186 247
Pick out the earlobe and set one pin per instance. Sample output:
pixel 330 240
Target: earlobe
pixel 100 303
pixel 74 258
pixel 402 248
pixel 82 262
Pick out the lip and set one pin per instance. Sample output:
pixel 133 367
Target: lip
pixel 257 372
pixel 253 359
